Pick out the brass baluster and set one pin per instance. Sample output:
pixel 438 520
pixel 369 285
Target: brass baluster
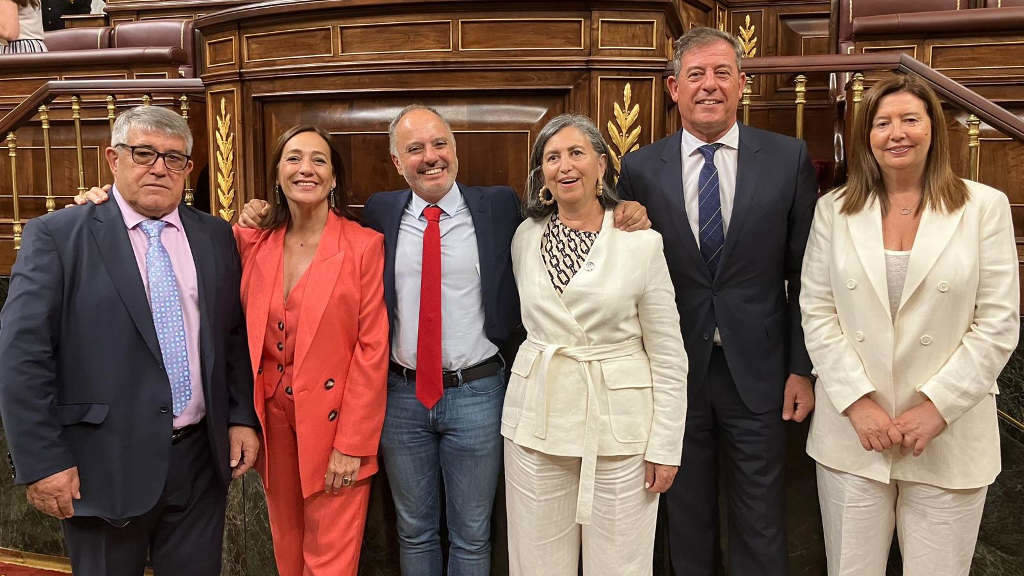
pixel 748 89
pixel 76 115
pixel 974 145
pixel 858 95
pixel 111 111
pixel 147 100
pixel 44 116
pixel 12 151
pixel 189 193
pixel 801 99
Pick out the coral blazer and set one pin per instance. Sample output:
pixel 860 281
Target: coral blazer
pixel 956 325
pixel 339 375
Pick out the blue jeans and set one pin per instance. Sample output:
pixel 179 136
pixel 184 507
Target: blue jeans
pixel 459 440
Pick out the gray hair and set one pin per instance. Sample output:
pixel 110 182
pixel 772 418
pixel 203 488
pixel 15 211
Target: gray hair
pixel 535 178
pixel 412 108
pixel 702 36
pixel 151 119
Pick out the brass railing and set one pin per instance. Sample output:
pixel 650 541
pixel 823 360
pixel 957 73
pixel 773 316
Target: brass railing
pixel 104 97
pixel 846 73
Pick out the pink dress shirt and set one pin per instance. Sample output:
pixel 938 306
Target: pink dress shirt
pixel 176 243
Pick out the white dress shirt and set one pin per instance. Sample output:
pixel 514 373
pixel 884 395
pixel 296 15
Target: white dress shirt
pixel 463 340
pixel 725 160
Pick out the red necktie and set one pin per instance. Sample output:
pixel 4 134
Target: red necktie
pixel 428 342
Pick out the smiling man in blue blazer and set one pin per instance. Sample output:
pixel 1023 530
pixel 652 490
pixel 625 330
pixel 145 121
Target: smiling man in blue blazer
pixel 734 207
pixel 451 433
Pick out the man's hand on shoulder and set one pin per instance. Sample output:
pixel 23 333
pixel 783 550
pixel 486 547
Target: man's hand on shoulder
pixel 245 446
pixel 631 216
pixel 255 214
pixel 94 195
pixel 798 398
pixel 53 495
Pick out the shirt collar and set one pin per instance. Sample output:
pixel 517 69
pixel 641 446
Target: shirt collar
pixel 132 218
pixel 730 139
pixel 449 203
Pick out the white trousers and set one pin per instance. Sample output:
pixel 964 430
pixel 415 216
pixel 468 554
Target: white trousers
pixel 937 528
pixel 543 536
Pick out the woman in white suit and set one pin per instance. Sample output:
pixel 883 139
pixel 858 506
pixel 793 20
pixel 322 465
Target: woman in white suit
pixel 910 311
pixel 595 408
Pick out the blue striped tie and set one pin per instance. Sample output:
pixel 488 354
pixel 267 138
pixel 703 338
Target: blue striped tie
pixel 165 303
pixel 709 219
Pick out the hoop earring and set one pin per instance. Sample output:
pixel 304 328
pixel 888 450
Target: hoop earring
pixel 545 200
pixel 278 193
pixel 330 199
pixel 600 188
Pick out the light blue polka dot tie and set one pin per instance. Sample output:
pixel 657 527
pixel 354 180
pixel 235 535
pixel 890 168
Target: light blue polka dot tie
pixel 165 302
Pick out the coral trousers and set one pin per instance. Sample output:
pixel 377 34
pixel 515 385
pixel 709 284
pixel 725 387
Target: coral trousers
pixel 316 536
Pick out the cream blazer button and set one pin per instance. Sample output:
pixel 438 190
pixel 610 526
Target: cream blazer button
pixel 858 335
pixel 851 283
pixel 589 266
pixel 943 286
pixel 926 340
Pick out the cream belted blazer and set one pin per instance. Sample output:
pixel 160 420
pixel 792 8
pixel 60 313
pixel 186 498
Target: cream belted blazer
pixel 957 323
pixel 603 370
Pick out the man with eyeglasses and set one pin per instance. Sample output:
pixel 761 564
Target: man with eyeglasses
pixel 125 384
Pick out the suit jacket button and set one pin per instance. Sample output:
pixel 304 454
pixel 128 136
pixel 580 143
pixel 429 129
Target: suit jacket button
pixel 943 286
pixel 329 384
pixel 926 340
pixel 851 283
pixel 280 326
pixel 164 409
pixel 858 336
pixel 706 336
pixel 280 346
pixel 288 390
pixel 589 266
pixel 333 415
pixel 280 368
pixel 259 370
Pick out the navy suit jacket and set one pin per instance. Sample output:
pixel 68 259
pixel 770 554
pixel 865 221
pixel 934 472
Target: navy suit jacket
pixel 496 215
pixel 754 297
pixel 81 374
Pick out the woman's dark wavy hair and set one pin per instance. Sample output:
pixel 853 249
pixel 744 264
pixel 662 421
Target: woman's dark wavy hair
pixel 280 215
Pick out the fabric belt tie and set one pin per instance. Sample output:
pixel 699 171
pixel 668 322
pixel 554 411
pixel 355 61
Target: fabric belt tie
pixel 587 358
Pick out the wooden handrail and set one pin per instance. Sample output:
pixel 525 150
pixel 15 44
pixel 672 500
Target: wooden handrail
pixel 992 114
pixel 47 92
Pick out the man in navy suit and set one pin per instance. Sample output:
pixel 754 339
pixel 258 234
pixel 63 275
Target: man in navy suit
pixel 734 206
pixel 125 383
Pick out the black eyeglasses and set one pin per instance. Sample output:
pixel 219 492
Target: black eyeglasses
pixel 146 156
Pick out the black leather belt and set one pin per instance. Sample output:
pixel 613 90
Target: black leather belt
pixel 456 378
pixel 179 434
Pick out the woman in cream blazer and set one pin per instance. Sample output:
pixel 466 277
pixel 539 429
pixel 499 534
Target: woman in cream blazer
pixel 596 404
pixel 934 347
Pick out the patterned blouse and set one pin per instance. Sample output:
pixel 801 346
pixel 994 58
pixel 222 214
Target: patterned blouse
pixel 564 251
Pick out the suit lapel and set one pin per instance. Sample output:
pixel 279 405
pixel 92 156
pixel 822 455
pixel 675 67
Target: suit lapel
pixel 261 288
pixel 206 274
pixel 320 284
pixel 391 229
pixel 933 234
pixel 866 233
pixel 482 225
pixel 671 182
pixel 747 176
pixel 111 236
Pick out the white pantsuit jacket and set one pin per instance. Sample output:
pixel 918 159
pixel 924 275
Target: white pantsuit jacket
pixel 957 324
pixel 603 370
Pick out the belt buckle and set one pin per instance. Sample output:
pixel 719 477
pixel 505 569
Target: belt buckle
pixel 458 378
